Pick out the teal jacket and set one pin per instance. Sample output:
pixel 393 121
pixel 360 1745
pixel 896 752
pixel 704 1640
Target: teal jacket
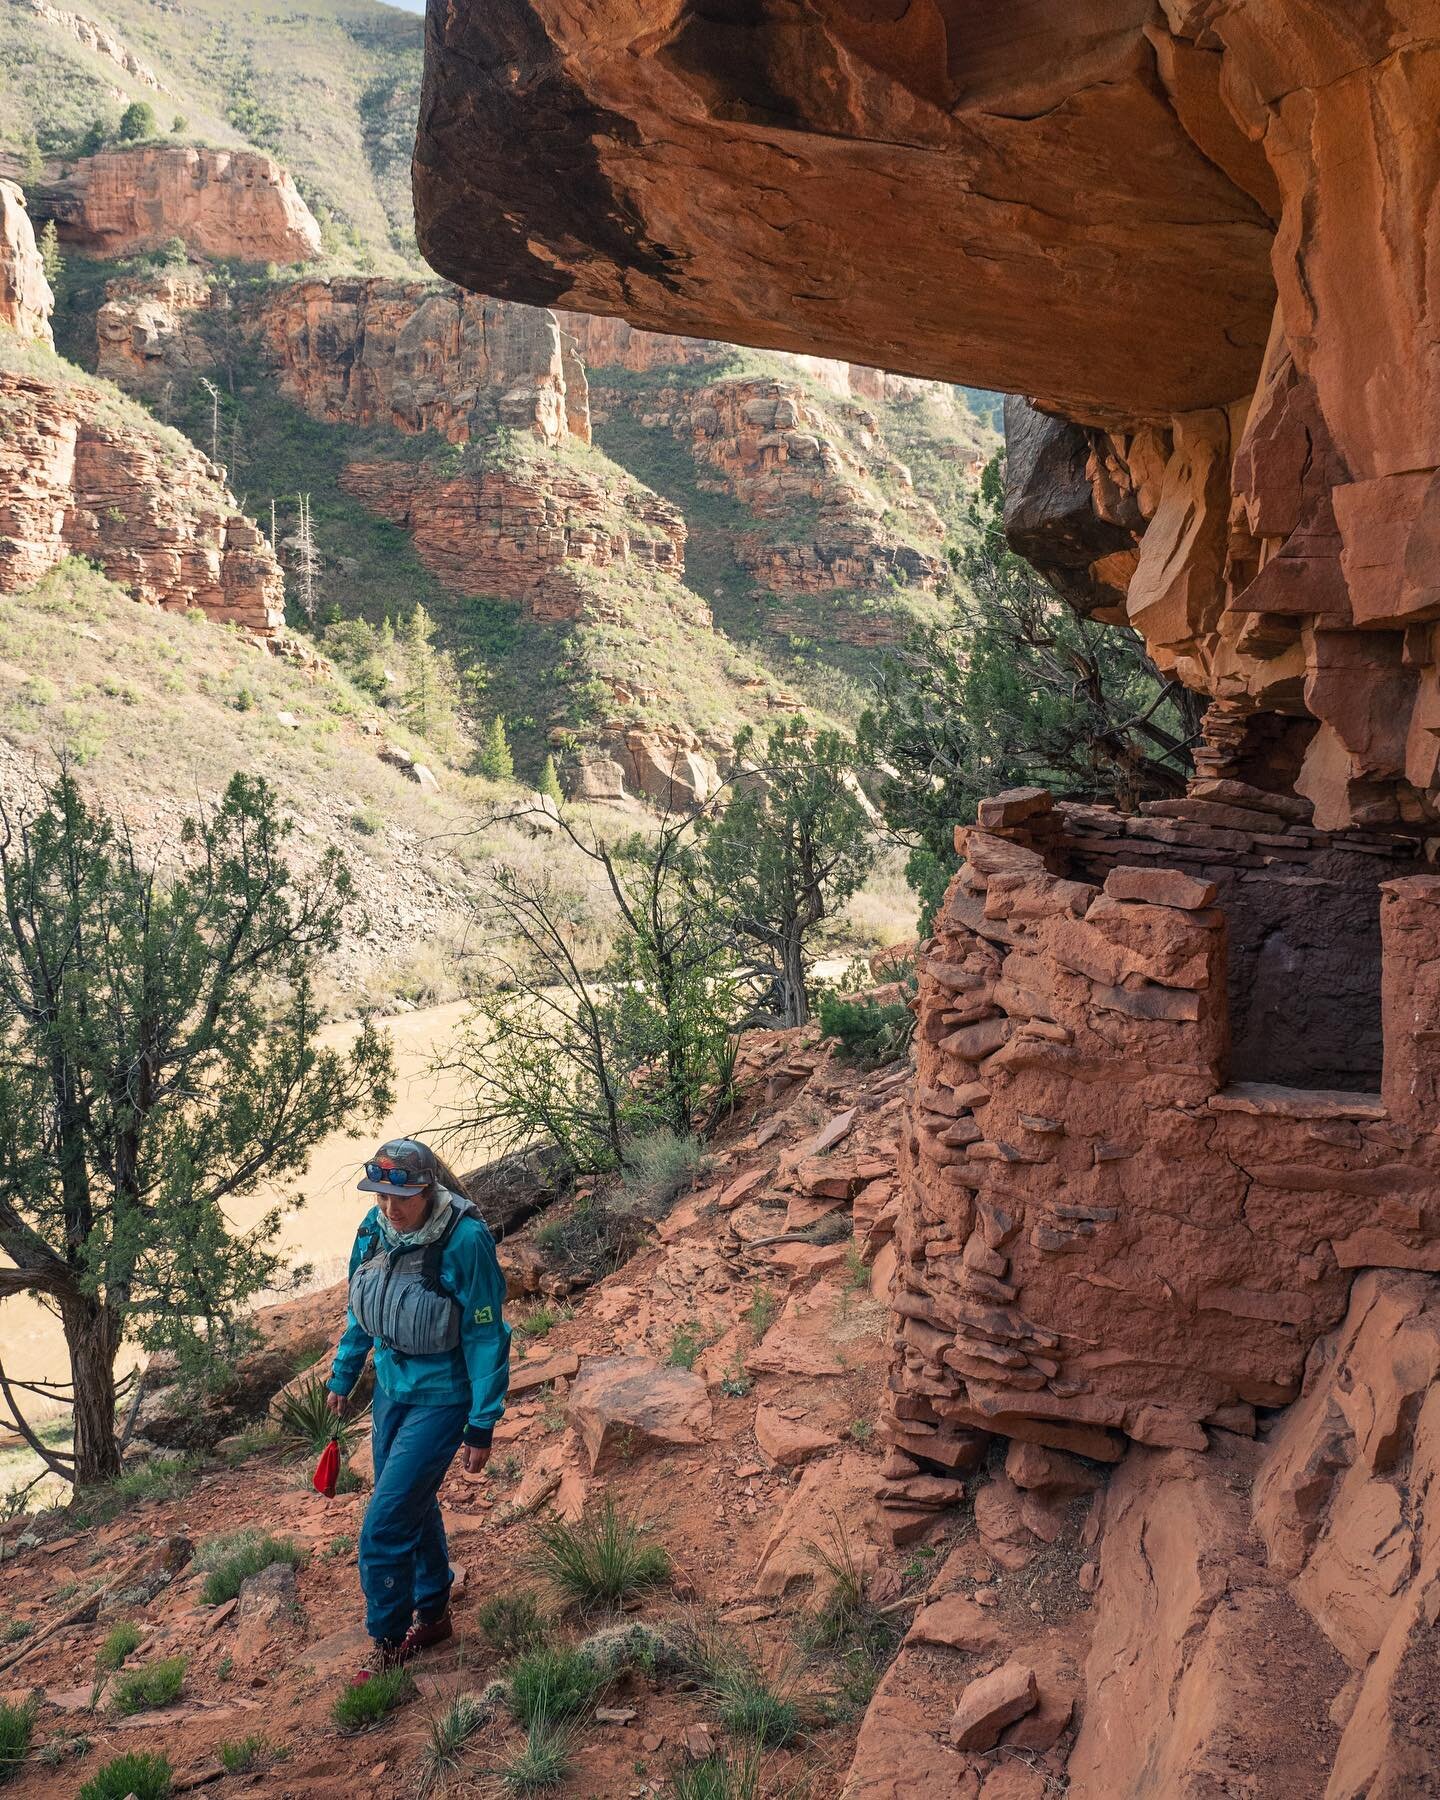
pixel 477 1372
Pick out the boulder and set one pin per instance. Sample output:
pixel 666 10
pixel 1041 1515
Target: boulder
pixel 624 1406
pixel 789 1442
pixel 988 1705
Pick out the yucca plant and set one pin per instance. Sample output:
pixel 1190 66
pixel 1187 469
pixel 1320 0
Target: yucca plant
pixel 306 1422
pixel 601 1561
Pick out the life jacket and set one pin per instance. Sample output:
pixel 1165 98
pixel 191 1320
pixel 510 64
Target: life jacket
pixel 397 1295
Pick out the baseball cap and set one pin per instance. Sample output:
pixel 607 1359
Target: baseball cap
pixel 416 1159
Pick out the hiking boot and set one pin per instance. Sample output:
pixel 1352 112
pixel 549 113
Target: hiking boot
pixel 423 1635
pixel 385 1654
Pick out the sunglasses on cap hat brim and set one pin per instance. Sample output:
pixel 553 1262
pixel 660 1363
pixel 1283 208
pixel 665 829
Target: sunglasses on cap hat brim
pixel 392 1179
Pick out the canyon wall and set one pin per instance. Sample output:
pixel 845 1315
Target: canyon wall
pixel 79 477
pixel 237 205
pixel 415 357
pixel 26 301
pixel 530 533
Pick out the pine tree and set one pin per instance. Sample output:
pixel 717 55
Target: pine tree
pixel 549 783
pixel 50 254
pixel 431 693
pixel 493 758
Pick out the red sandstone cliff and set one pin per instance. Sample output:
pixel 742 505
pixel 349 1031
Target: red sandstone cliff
pixel 234 204
pixel 417 357
pixel 79 477
pixel 25 298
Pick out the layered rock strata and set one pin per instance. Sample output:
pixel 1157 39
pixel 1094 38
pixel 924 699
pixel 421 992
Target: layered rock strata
pixel 763 442
pixel 416 357
pixel 1102 1232
pixel 78 479
pixel 151 329
pixel 239 205
pixel 26 301
pixel 531 533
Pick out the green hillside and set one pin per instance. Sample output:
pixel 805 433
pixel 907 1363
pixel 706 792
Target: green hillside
pixel 329 86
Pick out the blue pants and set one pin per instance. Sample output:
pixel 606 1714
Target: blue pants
pixel 404 1559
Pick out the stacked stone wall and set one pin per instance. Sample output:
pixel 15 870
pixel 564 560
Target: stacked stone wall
pixel 1101 1233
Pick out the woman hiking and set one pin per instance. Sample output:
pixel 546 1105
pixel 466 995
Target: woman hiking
pixel 426 1294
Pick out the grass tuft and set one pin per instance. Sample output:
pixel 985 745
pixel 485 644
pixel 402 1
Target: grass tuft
pixel 449 1733
pixel 756 1709
pixel 143 1776
pixel 17 1726
pixel 719 1777
pixel 554 1682
pixel 240 1754
pixel 119 1642
pixel 156 1684
pixel 543 1763
pixel 364 1704
pixel 514 1623
pixel 235 1557
pixel 601 1561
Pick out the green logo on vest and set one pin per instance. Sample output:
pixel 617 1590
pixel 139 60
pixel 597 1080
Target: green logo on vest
pixel 484 1316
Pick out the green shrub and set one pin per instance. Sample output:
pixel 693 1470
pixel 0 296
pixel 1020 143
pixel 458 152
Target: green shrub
pixel 868 1032
pixel 602 1560
pixel 685 1345
pixel 239 1754
pixel 156 1684
pixel 658 1169
pixel 232 1559
pixel 365 1703
pixel 119 1641
pixel 17 1725
pixel 137 121
pixel 164 1479
pixel 596 1239
pixel 763 1310
pixel 552 1683
pixel 543 1763
pixel 514 1623
pixel 146 1777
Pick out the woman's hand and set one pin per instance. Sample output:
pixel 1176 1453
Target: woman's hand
pixel 336 1403
pixel 476 1457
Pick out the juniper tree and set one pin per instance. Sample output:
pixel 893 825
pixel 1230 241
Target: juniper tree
pixel 788 851
pixel 158 1058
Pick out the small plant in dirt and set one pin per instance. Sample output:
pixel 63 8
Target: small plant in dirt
pixel 538 1323
pixel 340 1545
pixel 64 1745
pixel 862 1430
pixel 553 1683
pixel 237 1755
pixel 139 1775
pixel 757 1709
pixel 156 1684
pixel 119 1642
pixel 736 1382
pixel 17 1726
pixel 685 1345
pixel 847 1625
pixel 763 1310
pixel 231 1560
pixel 514 1623
pixel 306 1422
pixel 360 1706
pixel 450 1731
pixel 602 1560
pixel 16 1631
pixel 544 1762
pixel 169 1478
pixel 857 1271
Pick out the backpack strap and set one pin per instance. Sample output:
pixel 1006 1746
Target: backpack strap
pixel 460 1208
